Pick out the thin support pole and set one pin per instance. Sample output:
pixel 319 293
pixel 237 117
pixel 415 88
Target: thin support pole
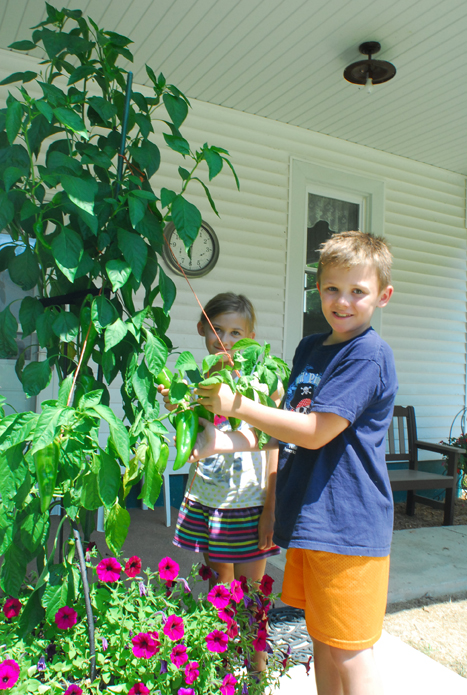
pixel 124 131
pixel 87 600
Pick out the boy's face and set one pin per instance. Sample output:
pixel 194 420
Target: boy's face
pixel 230 328
pixel 349 297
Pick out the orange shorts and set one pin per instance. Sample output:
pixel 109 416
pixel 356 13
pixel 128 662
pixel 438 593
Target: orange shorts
pixel 344 596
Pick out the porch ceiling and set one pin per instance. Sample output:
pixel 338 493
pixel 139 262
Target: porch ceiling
pixel 284 59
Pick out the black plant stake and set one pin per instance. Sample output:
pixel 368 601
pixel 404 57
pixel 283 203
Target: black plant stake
pixel 124 129
pixel 87 601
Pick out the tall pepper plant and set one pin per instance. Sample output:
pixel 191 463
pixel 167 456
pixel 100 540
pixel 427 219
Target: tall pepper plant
pixel 78 159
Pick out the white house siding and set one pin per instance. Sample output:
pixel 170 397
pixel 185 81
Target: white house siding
pixel 424 221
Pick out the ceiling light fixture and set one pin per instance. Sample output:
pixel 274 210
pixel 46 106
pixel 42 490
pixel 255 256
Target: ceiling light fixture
pixel 369 72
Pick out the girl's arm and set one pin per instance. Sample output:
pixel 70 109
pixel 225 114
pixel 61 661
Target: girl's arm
pixel 308 430
pixel 212 441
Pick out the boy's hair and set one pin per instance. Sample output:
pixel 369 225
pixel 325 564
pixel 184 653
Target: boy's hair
pixel 229 302
pixel 352 248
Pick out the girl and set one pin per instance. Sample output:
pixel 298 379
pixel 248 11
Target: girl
pixel 228 509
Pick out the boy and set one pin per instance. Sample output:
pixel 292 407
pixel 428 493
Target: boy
pixel 333 501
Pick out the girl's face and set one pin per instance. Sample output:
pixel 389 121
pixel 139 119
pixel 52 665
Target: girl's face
pixel 230 328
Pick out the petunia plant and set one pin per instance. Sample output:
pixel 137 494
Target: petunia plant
pixel 152 636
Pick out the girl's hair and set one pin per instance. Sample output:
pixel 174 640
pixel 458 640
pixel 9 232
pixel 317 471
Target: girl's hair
pixel 227 303
pixel 348 249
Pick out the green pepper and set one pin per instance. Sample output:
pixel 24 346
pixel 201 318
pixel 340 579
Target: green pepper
pixel 186 429
pixel 165 377
pixel 163 458
pixel 234 423
pixel 202 412
pixel 46 462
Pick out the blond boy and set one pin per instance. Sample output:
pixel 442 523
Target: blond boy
pixel 333 500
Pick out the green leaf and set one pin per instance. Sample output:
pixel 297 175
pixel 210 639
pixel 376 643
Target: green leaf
pixel 8 330
pixel 229 163
pixel 213 160
pixel 64 390
pixel 16 428
pixel 36 376
pixel 31 615
pixel 137 209
pixel 7 210
pixel 208 195
pixel 167 197
pixel 90 498
pixel 109 479
pixel 55 595
pixel 118 272
pixel 103 313
pixel 116 527
pixel 70 119
pixel 19 77
pixel 168 291
pixel 6 254
pixel 177 108
pixel 155 352
pixel 187 220
pixel 144 124
pixel 12 175
pixel 178 144
pixel 14 116
pixel 152 157
pixel 152 477
pixel 186 362
pixel 104 108
pixel 13 570
pixel 81 73
pixel 44 432
pixel 67 249
pixel 81 191
pixel 55 97
pixel 118 431
pixel 45 109
pixel 34 526
pixel 151 228
pixel 66 326
pixel 89 400
pixel 115 333
pixel 22 45
pixel 24 270
pixel 134 251
pixel 44 330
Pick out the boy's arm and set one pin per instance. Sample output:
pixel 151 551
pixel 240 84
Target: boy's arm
pixel 266 521
pixel 308 430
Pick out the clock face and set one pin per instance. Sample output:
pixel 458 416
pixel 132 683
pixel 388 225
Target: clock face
pixel 204 251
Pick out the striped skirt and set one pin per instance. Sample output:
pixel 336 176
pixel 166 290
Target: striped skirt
pixel 226 535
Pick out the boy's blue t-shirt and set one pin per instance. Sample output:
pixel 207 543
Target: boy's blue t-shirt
pixel 338 498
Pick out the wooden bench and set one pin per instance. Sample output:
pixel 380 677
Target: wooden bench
pixel 403 447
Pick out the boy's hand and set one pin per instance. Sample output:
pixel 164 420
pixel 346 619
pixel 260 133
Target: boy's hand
pixel 165 395
pixel 219 399
pixel 205 441
pixel 265 529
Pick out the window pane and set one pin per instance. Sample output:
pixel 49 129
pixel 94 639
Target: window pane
pixel 326 216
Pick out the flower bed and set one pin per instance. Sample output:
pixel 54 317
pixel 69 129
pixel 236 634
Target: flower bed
pixel 151 635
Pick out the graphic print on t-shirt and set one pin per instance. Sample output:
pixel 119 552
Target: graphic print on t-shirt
pixel 300 392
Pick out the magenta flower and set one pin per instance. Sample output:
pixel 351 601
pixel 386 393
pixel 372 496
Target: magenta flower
pixel 228 685
pixel 73 689
pixel 219 596
pixel 65 618
pixel 205 572
pixel 133 566
pixel 232 629
pixel 138 689
pixel 174 628
pixel 236 591
pixel 9 674
pixel 178 655
pixel 168 568
pixel 145 645
pixel 244 583
pixel 191 672
pixel 186 691
pixel 266 585
pixel 259 643
pixel 108 570
pixel 226 614
pixel 217 641
pixel 105 644
pixel 12 607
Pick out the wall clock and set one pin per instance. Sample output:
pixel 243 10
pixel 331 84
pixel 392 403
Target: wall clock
pixel 204 252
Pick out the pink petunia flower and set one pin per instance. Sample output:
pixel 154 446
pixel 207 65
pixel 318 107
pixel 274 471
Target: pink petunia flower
pixel 65 618
pixel 205 572
pixel 266 585
pixel 232 629
pixel 259 643
pixel 228 685
pixel 191 672
pixel 226 614
pixel 133 566
pixel 12 607
pixel 178 655
pixel 9 674
pixel 217 641
pixel 145 645
pixel 108 570
pixel 138 689
pixel 219 596
pixel 168 568
pixel 174 628
pixel 73 689
pixel 244 583
pixel 186 691
pixel 236 591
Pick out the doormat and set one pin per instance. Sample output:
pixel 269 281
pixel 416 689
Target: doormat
pixel 287 628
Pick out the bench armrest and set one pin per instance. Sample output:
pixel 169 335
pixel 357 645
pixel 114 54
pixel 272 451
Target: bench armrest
pixel 439 448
